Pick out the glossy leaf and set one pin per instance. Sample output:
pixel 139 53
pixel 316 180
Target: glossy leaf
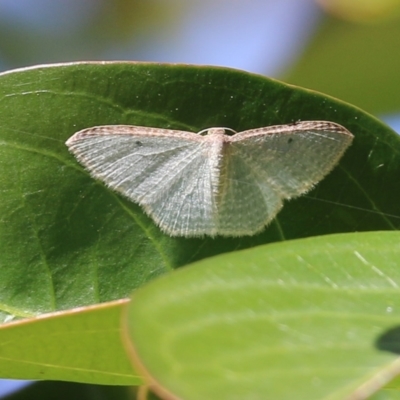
pixel 356 63
pixel 310 319
pixel 81 345
pixel 67 241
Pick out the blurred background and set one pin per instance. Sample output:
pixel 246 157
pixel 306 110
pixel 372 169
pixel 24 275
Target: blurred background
pixel 346 49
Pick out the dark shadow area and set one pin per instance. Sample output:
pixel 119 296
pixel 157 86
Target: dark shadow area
pixel 68 390
pixel 389 340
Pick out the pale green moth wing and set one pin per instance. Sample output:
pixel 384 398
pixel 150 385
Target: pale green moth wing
pixel 266 165
pixel 194 185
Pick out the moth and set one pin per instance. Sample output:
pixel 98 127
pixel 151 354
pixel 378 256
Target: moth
pixel 211 183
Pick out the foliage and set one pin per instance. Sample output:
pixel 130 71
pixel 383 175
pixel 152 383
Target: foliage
pixel 71 250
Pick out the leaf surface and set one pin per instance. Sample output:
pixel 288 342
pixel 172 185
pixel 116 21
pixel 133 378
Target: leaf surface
pixel 81 345
pixel 309 319
pixel 66 240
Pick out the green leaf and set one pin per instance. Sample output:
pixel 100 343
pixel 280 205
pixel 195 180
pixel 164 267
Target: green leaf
pixel 367 11
pixel 82 345
pixel 355 62
pixel 391 391
pixel 308 319
pixel 67 241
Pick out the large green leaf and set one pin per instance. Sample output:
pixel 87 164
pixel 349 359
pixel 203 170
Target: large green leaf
pixel 81 345
pixel 66 240
pixel 358 63
pixel 316 318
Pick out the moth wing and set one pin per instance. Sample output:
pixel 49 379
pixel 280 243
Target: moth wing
pixel 165 171
pixel 292 158
pixel 247 202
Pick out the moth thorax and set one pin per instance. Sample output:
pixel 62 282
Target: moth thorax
pixel 216 132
